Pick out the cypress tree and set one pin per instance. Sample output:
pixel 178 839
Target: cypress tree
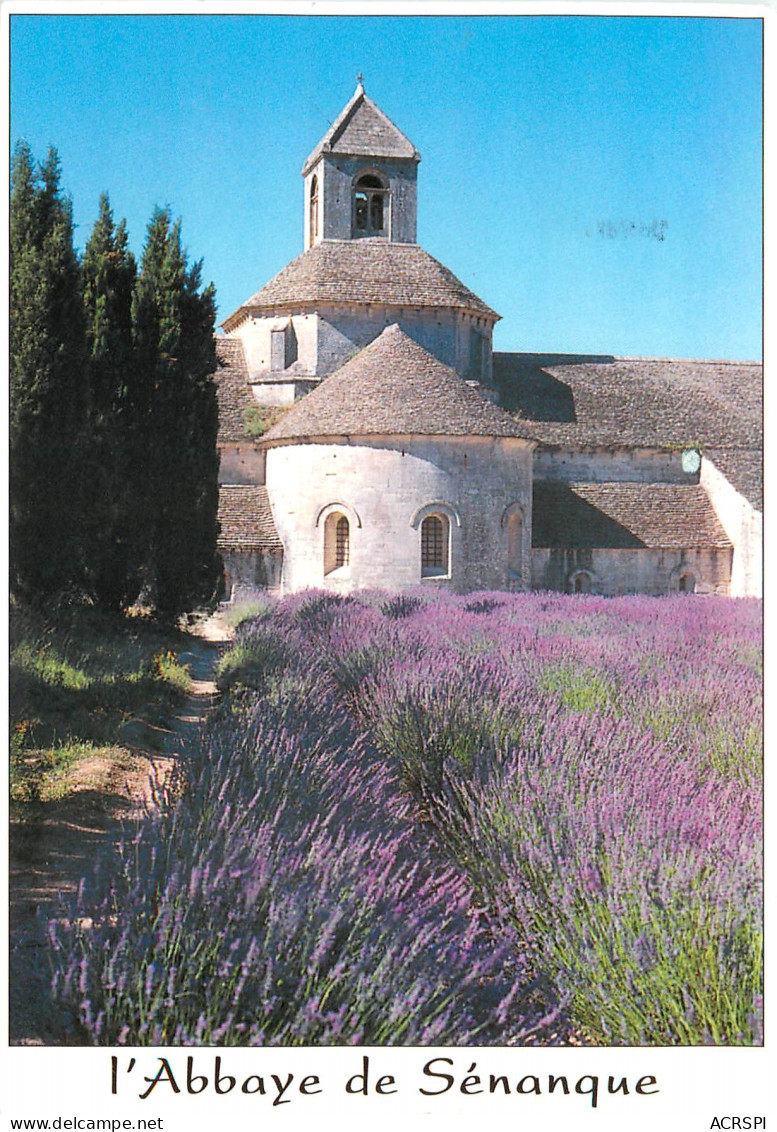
pixel 47 395
pixel 176 420
pixel 109 274
pixel 113 414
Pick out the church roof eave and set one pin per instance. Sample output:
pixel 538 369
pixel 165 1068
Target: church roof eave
pixel 242 314
pixel 237 318
pixel 267 441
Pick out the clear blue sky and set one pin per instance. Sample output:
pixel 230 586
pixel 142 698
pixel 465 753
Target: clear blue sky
pixel 555 153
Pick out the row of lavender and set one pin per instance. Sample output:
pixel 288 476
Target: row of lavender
pixel 493 818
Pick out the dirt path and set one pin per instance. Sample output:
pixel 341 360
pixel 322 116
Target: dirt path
pixel 49 856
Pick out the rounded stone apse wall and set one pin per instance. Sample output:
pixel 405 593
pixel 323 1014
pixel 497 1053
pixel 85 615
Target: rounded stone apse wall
pixel 451 513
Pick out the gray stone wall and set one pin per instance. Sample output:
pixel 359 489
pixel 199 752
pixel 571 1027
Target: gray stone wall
pixel 241 462
pixel 277 393
pixel 611 465
pixel 346 329
pixel 327 339
pixel 648 571
pixel 385 487
pixel 336 175
pixel 246 572
pixel 744 527
pixel 300 329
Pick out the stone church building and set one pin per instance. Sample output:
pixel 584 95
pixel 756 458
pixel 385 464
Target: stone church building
pixel 405 451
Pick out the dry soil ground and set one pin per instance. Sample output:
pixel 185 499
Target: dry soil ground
pixel 49 855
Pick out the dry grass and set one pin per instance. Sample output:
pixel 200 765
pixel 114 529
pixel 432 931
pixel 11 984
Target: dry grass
pixel 85 690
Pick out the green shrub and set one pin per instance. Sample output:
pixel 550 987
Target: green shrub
pixel 257 609
pixel 579 689
pixel 41 775
pixel 76 681
pixel 249 663
pixel 257 419
pixel 167 668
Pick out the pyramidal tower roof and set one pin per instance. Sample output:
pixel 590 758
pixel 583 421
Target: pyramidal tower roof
pixel 363 129
pixel 394 387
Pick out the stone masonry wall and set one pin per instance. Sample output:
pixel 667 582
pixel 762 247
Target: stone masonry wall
pixel 335 187
pixel 325 341
pixel 241 463
pixel 743 525
pixel 381 486
pixel 256 333
pixel 345 330
pixel 610 465
pixel 247 572
pixel 648 571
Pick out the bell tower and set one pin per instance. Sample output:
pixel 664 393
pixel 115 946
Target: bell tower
pixel 361 179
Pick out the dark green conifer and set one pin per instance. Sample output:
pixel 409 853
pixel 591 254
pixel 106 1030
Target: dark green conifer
pixel 47 395
pixel 113 413
pixel 109 273
pixel 175 402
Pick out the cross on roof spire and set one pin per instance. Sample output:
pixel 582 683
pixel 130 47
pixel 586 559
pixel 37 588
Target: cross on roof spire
pixel 360 80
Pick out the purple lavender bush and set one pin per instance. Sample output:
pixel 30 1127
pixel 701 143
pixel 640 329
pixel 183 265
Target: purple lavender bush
pixel 290 897
pixel 424 819
pixel 616 805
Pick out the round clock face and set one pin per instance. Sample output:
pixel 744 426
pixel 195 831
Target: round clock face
pixel 691 460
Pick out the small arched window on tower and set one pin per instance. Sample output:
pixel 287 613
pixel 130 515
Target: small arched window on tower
pixel 435 546
pixel 370 206
pixel 314 210
pixel 337 542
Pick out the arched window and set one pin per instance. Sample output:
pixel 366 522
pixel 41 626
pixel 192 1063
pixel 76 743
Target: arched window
pixel 313 209
pixel 435 546
pixel 370 206
pixel 360 211
pixel 580 582
pixel 514 540
pixel 686 583
pixel 337 542
pixel 342 542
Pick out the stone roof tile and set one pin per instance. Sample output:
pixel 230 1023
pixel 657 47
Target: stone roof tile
pixel 370 270
pixel 363 129
pixel 578 400
pixel 246 519
pixel 232 388
pixel 624 516
pixel 393 387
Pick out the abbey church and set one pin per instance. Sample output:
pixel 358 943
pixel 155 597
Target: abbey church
pixel 402 451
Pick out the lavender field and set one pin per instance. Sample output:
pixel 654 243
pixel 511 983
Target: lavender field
pixel 416 819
